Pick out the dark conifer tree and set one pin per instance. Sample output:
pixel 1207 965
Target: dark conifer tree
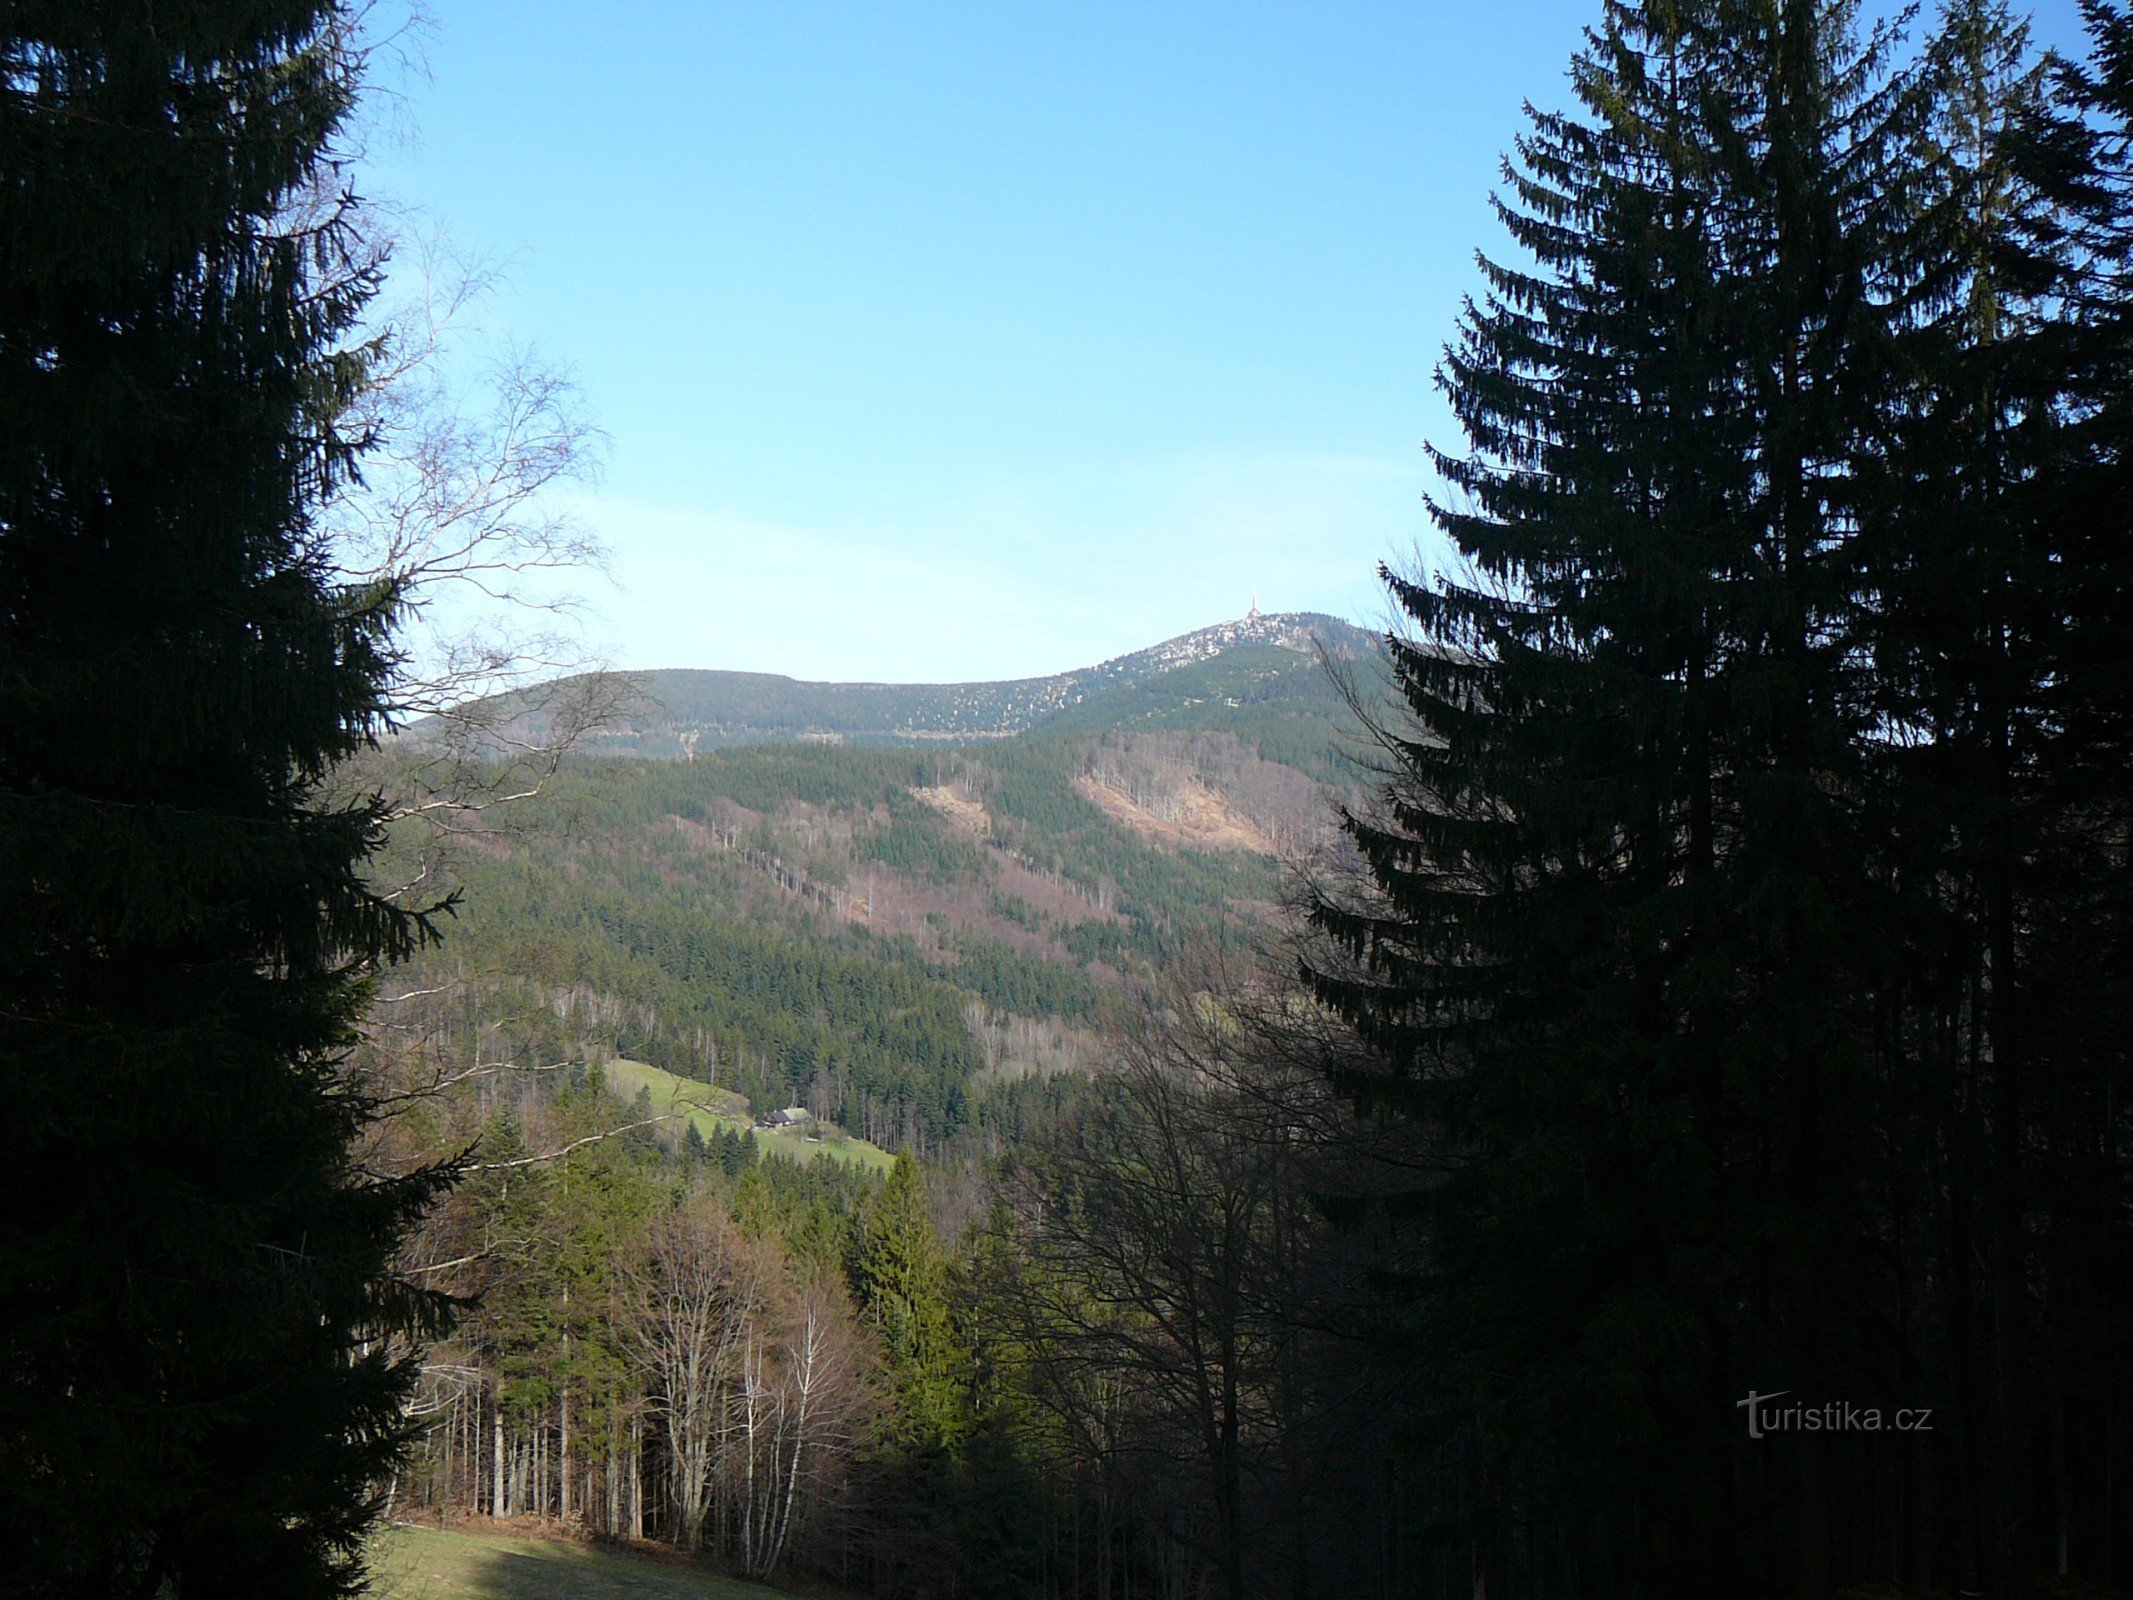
pixel 1969 600
pixel 1618 960
pixel 2052 869
pixel 201 1349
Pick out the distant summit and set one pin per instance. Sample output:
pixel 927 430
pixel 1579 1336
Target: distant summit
pixel 1254 667
pixel 1302 631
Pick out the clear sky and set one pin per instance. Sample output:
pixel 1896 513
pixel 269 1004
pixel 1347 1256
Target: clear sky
pixel 942 341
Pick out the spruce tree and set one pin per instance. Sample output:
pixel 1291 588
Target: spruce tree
pixel 1617 959
pixel 1968 575
pixel 202 1352
pixel 2049 858
pixel 926 1497
pixel 900 1273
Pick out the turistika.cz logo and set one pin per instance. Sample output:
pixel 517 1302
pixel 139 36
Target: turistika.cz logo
pixel 1765 1417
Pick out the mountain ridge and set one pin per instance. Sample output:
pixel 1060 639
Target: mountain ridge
pixel 1269 662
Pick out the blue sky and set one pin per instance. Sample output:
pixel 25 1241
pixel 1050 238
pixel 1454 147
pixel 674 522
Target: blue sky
pixel 962 341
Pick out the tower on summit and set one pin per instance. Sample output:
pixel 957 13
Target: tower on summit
pixel 1253 614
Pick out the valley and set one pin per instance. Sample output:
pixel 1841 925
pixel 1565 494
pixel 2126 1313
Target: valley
pixel 759 1030
pixel 1276 1112
pixel 905 938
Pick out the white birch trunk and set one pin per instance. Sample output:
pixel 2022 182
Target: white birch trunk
pixel 562 1479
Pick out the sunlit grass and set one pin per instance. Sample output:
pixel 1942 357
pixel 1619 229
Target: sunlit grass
pixel 714 1109
pixel 411 1563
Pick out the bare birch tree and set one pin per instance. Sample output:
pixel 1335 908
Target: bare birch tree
pixel 464 520
pixel 697 1294
pixel 812 1390
pixel 460 520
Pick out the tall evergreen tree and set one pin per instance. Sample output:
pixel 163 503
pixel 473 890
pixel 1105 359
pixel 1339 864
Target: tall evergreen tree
pixel 2052 867
pixel 1969 585
pixel 1618 960
pixel 200 1363
pixel 901 1275
pixel 929 1505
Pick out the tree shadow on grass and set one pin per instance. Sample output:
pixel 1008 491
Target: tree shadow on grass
pixel 424 1564
pixel 566 1572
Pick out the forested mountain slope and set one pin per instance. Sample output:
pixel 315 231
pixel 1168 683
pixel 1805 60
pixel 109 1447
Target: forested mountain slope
pixel 909 941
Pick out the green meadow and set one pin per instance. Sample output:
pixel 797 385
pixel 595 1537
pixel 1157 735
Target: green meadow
pixel 710 1110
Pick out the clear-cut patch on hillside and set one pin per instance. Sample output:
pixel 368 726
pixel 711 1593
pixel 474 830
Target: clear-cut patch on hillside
pixel 957 807
pixel 1191 815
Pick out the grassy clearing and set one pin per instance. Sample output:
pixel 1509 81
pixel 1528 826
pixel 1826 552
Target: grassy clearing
pixel 712 1109
pixel 426 1564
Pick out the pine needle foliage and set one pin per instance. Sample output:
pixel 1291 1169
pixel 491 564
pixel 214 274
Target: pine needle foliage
pixel 1617 876
pixel 202 1351
pixel 1745 930
pixel 901 1274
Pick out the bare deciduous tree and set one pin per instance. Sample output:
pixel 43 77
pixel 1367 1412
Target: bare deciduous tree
pixel 459 519
pixel 697 1295
pixel 802 1399
pixel 1162 1230
pixel 462 517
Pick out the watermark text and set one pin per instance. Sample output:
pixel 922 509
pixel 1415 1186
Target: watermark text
pixel 1766 1416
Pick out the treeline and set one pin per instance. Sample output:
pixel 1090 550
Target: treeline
pixel 657 1343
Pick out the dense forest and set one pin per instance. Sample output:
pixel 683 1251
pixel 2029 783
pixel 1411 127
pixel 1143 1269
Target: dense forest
pixel 816 925
pixel 1620 1089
